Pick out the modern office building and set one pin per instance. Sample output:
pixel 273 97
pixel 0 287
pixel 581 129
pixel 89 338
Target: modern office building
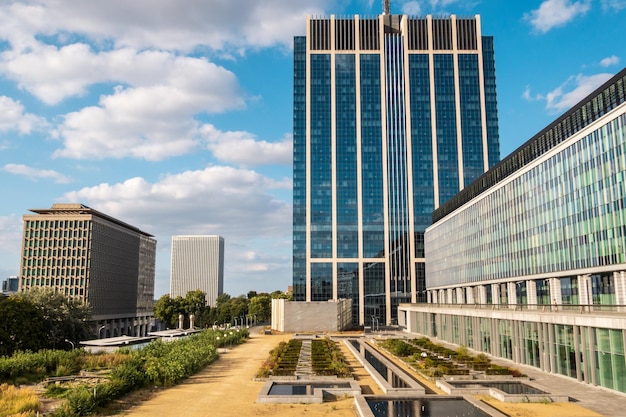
pixel 528 263
pixel 393 115
pixel 10 285
pixel 83 253
pixel 197 264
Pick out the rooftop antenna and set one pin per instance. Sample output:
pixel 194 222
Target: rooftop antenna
pixel 386 6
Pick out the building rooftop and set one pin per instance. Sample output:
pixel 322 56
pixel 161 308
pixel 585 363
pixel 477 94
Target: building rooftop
pixel 601 101
pixel 73 209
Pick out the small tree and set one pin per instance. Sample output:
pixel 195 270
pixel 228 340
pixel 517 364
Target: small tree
pixel 261 306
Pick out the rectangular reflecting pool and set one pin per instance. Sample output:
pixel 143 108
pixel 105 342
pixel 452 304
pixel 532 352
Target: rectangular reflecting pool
pixel 302 389
pixel 508 387
pixel 453 407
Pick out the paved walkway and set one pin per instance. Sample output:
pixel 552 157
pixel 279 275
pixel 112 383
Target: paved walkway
pixel 227 388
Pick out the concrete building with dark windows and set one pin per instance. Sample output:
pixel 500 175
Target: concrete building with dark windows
pixel 528 262
pixel 393 115
pixel 197 264
pixel 82 253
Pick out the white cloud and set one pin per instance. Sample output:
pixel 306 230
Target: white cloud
pixel 218 199
pixel 53 74
pixel 613 5
pixel 554 13
pixel 154 117
pixel 234 203
pixel 165 24
pixel 36 174
pixel 573 90
pixel 610 60
pixel 12 117
pixel 411 8
pixel 528 96
pixel 243 149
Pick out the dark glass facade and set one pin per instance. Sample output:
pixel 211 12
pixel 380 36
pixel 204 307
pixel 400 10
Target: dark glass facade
pixel 390 121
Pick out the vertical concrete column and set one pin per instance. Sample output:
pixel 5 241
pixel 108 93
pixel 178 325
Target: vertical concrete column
pixel 531 293
pixel 495 294
pixel 512 296
pixel 620 288
pixel 470 295
pixel 556 297
pixel 460 295
pixel 449 295
pixel 584 289
pixel 482 294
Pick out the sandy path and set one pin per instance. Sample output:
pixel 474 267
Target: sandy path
pixel 226 388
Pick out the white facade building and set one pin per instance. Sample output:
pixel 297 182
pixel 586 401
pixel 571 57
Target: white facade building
pixel 197 264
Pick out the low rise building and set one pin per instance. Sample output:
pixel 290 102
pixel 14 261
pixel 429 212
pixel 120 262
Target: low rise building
pixel 528 262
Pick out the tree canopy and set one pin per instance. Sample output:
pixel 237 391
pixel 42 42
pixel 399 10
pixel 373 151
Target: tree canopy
pixel 42 319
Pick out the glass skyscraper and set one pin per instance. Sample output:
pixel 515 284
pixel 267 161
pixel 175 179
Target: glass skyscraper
pixel 393 115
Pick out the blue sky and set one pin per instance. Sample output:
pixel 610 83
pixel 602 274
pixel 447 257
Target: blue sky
pixel 175 116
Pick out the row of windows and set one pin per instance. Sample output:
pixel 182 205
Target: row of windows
pixel 565 213
pixel 58 282
pixel 592 355
pixel 418 36
pixel 57 224
pixel 55 243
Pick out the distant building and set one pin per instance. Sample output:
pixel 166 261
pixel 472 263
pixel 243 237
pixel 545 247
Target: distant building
pixel 393 115
pixel 197 264
pixel 10 285
pixel 528 262
pixel 83 253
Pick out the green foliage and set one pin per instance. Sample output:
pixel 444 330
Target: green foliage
pixel 158 363
pixel 399 347
pixel 35 367
pixel 167 309
pixel 22 327
pixel 280 294
pixel 64 318
pixel 327 359
pixel 261 306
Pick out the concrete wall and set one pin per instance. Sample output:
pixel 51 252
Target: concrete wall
pixel 315 316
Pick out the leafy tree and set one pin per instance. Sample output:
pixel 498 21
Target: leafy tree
pixel 261 305
pixel 238 307
pixel 195 303
pixel 65 318
pixel 22 326
pixel 280 294
pixel 252 294
pixel 167 310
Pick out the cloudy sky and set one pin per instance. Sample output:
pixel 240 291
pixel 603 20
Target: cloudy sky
pixel 175 116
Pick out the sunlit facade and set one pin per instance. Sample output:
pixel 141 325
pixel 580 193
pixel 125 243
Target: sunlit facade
pixel 536 249
pixel 197 264
pixel 85 254
pixel 393 115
